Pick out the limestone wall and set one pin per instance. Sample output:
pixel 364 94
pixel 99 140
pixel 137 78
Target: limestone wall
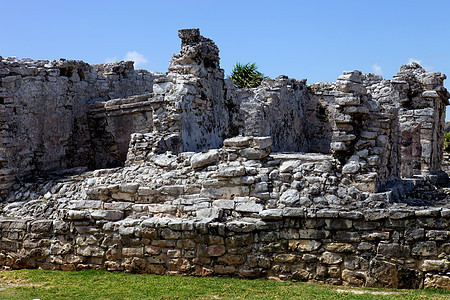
pixel 44 105
pixel 377 129
pixel 398 248
pixel 284 110
pixel 111 124
pixel 320 182
pixel 235 211
pixel 418 99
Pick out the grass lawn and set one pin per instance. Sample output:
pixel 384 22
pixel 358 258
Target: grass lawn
pixel 39 284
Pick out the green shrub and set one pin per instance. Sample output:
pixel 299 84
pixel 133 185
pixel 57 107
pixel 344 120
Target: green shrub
pixel 246 76
pixel 447 142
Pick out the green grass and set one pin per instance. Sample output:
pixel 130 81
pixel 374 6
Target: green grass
pixel 39 284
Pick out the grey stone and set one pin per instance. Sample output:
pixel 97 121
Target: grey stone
pixel 202 159
pixel 271 214
pixel 111 215
pixel 249 207
pixel 290 197
pixel 209 213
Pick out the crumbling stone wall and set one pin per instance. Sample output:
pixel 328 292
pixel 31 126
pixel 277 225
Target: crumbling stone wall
pixel 45 105
pixel 284 180
pixel 285 110
pixel 378 129
pixel 111 124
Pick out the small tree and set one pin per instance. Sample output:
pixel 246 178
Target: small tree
pixel 246 76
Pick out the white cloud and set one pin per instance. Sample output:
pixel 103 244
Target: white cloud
pixel 135 56
pixel 411 60
pixel 427 68
pixel 110 60
pixel 378 70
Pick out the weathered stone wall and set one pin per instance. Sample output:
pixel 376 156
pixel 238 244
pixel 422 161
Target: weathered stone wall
pixel 419 99
pixel 284 110
pixel 284 180
pixel 399 248
pixel 198 92
pixel 111 124
pixel 45 106
pixel 377 129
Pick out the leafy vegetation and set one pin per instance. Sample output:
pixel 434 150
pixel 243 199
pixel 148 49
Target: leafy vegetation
pixel 39 284
pixel 447 142
pixel 246 76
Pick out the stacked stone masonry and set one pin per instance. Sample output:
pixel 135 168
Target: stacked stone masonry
pixel 111 168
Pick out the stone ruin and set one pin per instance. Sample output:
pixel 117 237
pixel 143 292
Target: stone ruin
pixel 107 167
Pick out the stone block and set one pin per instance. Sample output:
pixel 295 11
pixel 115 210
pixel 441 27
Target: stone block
pixel 133 251
pixel 41 226
pixel 221 269
pixel 226 192
pixel 330 258
pixel 445 212
pixel 289 166
pixel 375 214
pixel 161 208
pixel 400 213
pixel 271 214
pixel 438 235
pixel 338 223
pixel 373 236
pixel 209 213
pixel 90 250
pixel 233 260
pixel 290 197
pixel 304 245
pixel 440 265
pixel 169 234
pixel 340 247
pixel 8 245
pixel 223 204
pixel 231 171
pixel 347 236
pixel 240 226
pixel 393 250
pixel 428 248
pixel 313 234
pixel 238 141
pixel 293 212
pixel 264 142
pixel 353 215
pixel 215 250
pixel 431 212
pixel 437 281
pixel 240 240
pixel 254 154
pixel 249 207
pixel 77 214
pixel 355 278
pixel 130 188
pixel 111 215
pixel 200 160
pixel 351 167
pixel 285 258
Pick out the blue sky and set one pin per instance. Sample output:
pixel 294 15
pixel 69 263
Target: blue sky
pixel 316 40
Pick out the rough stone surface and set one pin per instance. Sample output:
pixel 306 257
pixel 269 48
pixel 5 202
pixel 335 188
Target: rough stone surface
pixel 183 173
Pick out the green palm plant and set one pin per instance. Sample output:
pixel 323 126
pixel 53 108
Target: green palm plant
pixel 447 142
pixel 246 76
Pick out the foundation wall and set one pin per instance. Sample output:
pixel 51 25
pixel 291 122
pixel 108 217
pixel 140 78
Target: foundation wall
pixel 398 248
